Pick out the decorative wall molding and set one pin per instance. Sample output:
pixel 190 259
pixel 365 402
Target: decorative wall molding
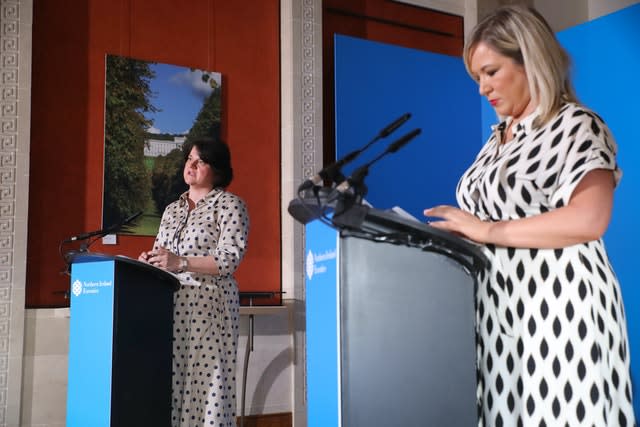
pixel 15 94
pixel 9 14
pixel 310 55
pixel 301 113
pixel 301 151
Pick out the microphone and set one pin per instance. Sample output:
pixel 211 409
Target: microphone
pixel 332 172
pixel 105 231
pixel 306 209
pixel 393 126
pixel 356 180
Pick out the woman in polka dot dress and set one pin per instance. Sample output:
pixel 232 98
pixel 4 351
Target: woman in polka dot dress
pixel 552 337
pixel 202 238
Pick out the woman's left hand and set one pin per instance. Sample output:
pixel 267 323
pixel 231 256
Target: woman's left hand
pixel 460 222
pixel 162 258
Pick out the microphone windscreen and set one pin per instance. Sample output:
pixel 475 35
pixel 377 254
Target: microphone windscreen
pixel 304 212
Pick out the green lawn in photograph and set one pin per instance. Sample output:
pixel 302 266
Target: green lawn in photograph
pixel 147 224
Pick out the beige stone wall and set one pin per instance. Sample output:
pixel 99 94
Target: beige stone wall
pixel 44 389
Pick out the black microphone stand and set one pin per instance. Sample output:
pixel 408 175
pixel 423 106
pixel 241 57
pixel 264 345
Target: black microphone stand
pixel 350 212
pixel 333 173
pixel 90 238
pixel 315 201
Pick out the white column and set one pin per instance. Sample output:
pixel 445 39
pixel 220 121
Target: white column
pixel 301 150
pixel 15 110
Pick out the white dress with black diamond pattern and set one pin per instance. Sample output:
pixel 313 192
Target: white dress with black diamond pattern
pixel 206 308
pixel 552 337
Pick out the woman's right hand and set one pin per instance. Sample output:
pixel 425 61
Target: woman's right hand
pixel 144 257
pixel 460 222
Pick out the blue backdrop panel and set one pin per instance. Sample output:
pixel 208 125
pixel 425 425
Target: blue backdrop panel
pixel 377 83
pixel 606 60
pixel 91 345
pixel 321 283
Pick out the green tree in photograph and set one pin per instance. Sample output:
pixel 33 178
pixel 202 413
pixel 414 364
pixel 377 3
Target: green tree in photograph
pixel 167 179
pixel 207 122
pixel 127 183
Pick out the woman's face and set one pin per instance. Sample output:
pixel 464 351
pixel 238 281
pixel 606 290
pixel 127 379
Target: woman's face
pixel 502 81
pixel 197 174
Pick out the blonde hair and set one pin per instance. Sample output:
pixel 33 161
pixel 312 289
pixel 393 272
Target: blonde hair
pixel 522 34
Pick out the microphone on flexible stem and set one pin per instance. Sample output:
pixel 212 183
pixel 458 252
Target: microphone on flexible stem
pixel 84 247
pixel 104 231
pixel 392 127
pixel 350 212
pixel 356 180
pixel 332 172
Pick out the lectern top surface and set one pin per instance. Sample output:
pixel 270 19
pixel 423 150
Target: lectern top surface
pixel 77 257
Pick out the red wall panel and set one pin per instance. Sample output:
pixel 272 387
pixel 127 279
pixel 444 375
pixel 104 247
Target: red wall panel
pixel 238 39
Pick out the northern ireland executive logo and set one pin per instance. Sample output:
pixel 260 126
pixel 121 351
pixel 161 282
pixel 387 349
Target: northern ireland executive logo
pixel 90 287
pixel 310 265
pixel 76 288
pixel 317 263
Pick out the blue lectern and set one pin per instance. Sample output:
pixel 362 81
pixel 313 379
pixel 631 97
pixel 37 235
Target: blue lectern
pixel 390 323
pixel 120 342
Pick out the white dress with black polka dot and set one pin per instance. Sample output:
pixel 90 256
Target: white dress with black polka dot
pixel 552 337
pixel 206 307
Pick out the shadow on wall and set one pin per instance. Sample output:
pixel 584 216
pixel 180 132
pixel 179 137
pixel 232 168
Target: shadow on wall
pixel 269 376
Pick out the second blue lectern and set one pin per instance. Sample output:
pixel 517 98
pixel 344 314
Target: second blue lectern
pixel 390 323
pixel 120 342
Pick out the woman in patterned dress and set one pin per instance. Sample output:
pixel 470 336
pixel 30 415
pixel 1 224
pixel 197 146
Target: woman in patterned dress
pixel 202 238
pixel 552 337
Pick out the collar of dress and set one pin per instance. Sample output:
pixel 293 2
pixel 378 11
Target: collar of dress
pixel 523 126
pixel 209 196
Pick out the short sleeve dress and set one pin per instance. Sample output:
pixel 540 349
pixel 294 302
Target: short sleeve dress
pixel 206 307
pixel 552 337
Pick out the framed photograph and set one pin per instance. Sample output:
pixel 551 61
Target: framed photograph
pixel 151 110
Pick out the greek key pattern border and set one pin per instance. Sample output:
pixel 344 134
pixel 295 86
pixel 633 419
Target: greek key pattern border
pixel 309 88
pixel 9 64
